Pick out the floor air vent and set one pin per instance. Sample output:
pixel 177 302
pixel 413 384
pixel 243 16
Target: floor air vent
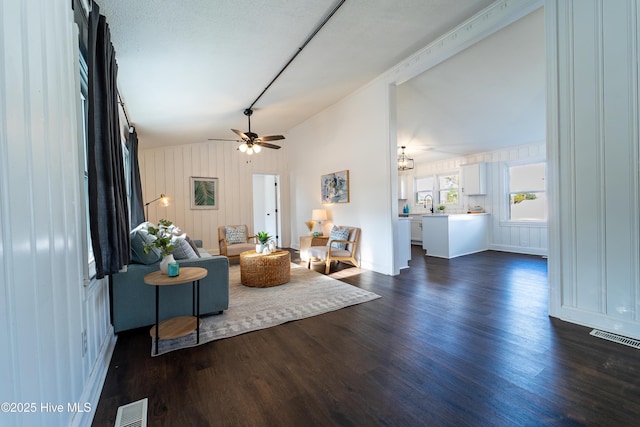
pixel 133 415
pixel 616 338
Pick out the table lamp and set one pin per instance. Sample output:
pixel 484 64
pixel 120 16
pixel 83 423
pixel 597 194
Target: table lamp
pixel 319 215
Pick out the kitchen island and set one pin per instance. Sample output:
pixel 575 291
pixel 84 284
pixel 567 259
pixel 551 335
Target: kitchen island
pixel 450 236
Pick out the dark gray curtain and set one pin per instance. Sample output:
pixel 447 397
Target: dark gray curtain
pixel 137 205
pixel 108 208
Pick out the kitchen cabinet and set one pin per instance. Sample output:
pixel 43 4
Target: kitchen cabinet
pixel 416 229
pixel 402 187
pixel 404 240
pixel 474 179
pixel 450 236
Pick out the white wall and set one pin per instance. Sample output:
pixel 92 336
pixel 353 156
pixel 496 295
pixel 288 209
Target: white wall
pixel 593 132
pixel 45 305
pixel 352 135
pixel 168 170
pixel 359 133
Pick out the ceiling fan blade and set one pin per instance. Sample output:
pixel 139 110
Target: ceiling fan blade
pixel 240 134
pixel 271 138
pixel 267 145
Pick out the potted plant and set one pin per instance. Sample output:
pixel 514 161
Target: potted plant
pixel 164 239
pixel 263 238
pixel 441 208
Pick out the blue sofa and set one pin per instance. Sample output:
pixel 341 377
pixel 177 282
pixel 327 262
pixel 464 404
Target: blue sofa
pixel 133 301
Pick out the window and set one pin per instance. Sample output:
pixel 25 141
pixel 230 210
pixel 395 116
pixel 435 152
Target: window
pixel 526 192
pixel 448 189
pixel 424 191
pixel 84 119
pixel 438 190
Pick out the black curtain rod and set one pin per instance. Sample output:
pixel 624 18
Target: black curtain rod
pixel 335 9
pixel 126 117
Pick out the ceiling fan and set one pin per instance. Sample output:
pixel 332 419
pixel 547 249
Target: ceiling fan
pixel 251 142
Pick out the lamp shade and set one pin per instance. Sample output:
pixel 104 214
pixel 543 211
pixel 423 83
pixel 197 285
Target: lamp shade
pixel 319 215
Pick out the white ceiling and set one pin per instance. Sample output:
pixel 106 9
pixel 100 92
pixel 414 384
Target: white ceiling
pixel 489 96
pixel 188 69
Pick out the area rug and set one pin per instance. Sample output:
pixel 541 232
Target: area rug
pixel 307 294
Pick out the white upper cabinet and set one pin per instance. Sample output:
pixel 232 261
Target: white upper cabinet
pixel 474 179
pixel 402 187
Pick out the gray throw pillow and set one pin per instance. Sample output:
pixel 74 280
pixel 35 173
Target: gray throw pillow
pixel 235 234
pixel 193 245
pixel 182 249
pixel 339 234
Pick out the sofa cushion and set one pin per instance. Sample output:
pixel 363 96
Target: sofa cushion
pixel 235 234
pixel 202 253
pixel 338 233
pixel 140 237
pixel 182 249
pixel 238 248
pixel 321 252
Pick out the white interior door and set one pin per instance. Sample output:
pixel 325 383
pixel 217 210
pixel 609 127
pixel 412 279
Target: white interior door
pixel 266 205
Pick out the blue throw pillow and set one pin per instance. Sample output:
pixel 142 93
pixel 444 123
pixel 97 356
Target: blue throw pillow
pixel 138 239
pixel 339 234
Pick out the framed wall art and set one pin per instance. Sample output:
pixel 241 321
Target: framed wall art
pixel 334 187
pixel 204 193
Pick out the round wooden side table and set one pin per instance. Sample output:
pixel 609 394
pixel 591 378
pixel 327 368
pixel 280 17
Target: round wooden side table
pixel 177 326
pixel 262 271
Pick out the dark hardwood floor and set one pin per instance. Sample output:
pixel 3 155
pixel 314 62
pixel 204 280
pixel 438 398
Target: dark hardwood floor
pixel 454 342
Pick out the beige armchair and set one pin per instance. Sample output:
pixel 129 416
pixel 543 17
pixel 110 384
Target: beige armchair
pixel 329 252
pixel 235 239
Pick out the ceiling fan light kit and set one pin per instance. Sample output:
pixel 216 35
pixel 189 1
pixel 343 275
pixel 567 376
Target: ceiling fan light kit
pixel 252 142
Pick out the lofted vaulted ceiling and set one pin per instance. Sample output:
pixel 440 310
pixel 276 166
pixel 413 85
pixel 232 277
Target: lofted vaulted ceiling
pixel 188 69
pixel 487 97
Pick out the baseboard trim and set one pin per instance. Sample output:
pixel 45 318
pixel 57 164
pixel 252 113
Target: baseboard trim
pixel 93 386
pixel 519 250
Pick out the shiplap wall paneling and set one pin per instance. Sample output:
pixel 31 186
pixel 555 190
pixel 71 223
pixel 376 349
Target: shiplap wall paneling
pixel 169 169
pixel 594 140
pixel 46 306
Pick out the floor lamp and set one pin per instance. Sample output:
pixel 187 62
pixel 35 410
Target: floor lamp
pixel 164 201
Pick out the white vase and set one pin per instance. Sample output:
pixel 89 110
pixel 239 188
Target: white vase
pixel 259 248
pixel 164 264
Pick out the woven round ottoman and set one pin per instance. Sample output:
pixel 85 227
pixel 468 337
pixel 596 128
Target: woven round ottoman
pixel 262 271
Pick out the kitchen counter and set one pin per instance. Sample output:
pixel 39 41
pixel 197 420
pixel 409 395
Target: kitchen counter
pixel 454 235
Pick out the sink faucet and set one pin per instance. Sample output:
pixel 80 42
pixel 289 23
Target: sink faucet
pixel 428 197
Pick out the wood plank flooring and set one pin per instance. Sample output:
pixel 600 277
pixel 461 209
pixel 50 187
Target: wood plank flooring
pixel 451 342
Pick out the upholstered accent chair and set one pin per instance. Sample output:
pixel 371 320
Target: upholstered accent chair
pixel 341 246
pixel 235 239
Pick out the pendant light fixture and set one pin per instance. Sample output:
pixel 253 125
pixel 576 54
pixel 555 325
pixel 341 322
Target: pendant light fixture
pixel 404 162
